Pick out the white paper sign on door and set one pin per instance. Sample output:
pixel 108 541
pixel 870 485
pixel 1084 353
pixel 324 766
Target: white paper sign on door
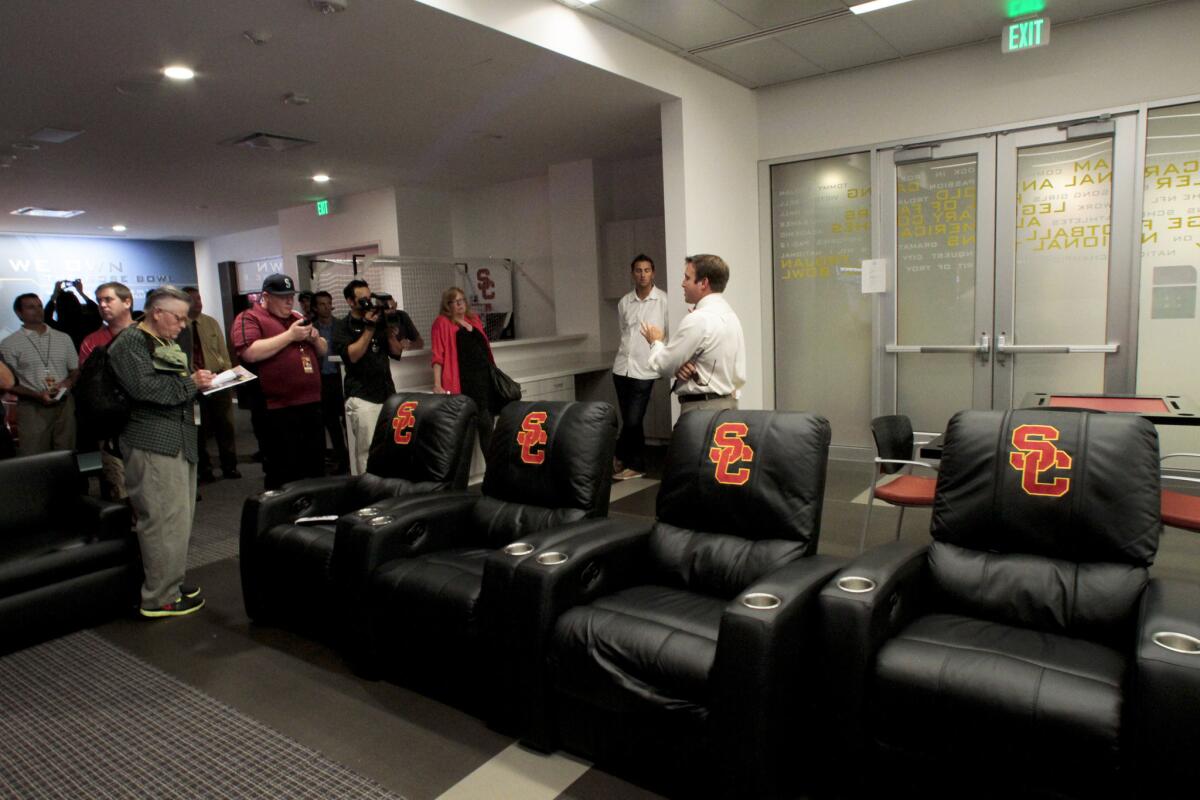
pixel 874 275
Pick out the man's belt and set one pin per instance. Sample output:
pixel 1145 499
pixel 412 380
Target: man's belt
pixel 693 398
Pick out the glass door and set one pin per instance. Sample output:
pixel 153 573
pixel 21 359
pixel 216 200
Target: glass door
pixel 1063 264
pixel 940 204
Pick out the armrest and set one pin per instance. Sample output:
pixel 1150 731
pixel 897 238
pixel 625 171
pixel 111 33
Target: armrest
pixel 111 520
pixel 765 674
pixel 403 527
pixel 854 624
pixel 1166 686
pixel 603 555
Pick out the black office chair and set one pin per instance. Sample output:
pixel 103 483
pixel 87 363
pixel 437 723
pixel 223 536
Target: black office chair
pixel 428 601
pixel 894 443
pixel 421 447
pixel 682 644
pixel 1026 648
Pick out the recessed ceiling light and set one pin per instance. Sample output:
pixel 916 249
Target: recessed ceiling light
pixel 119 228
pixel 875 5
pixel 179 73
pixel 321 177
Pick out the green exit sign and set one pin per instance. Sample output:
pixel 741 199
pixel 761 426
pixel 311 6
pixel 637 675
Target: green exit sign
pixel 1025 34
pixel 322 208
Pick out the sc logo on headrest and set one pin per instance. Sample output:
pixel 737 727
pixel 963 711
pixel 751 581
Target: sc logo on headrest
pixel 1037 454
pixel 731 447
pixel 532 435
pixel 404 422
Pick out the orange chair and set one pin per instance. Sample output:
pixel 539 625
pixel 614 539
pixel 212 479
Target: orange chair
pixel 894 442
pixel 1180 510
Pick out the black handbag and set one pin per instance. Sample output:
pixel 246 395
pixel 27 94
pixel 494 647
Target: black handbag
pixel 504 389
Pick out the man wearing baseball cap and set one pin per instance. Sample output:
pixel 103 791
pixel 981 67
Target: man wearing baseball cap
pixel 284 350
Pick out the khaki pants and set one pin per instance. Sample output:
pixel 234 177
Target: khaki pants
pixel 162 490
pixel 361 417
pixel 45 428
pixel 719 404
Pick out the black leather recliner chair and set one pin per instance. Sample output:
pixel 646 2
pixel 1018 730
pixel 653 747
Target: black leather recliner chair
pixel 1016 652
pixel 66 560
pixel 429 601
pixel 422 446
pixel 679 645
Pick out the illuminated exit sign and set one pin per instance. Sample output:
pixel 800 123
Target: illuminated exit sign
pixel 1025 34
pixel 322 208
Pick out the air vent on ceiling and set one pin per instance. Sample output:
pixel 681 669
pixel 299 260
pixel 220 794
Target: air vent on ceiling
pixel 34 211
pixel 268 141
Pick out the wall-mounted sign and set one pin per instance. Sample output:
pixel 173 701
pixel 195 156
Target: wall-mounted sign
pixel 322 208
pixel 874 275
pixel 1025 34
pixel 250 274
pixel 36 263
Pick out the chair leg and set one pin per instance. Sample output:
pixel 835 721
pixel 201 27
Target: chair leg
pixel 899 523
pixel 862 544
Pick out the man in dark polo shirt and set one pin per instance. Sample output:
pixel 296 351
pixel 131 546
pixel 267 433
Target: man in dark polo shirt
pixel 367 340
pixel 285 351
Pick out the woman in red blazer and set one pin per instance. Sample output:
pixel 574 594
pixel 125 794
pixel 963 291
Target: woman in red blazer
pixel 462 358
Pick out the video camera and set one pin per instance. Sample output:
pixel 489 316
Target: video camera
pixel 381 302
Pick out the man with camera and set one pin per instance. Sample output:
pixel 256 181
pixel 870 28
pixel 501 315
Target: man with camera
pixel 284 350
pixel 370 336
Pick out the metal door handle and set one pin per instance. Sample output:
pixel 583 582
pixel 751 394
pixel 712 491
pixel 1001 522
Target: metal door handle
pixel 983 349
pixel 1003 347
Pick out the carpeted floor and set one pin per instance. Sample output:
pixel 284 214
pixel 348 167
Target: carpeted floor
pixel 82 718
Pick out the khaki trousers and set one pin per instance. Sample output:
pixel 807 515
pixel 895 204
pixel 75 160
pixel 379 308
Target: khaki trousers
pixel 719 404
pixel 45 428
pixel 361 417
pixel 162 490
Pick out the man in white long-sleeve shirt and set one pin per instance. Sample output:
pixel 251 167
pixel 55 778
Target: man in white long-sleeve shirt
pixel 707 353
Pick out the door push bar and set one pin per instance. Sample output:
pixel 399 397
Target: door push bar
pixel 983 349
pixel 1003 348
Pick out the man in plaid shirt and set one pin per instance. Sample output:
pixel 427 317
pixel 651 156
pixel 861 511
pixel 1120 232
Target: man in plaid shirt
pixel 159 447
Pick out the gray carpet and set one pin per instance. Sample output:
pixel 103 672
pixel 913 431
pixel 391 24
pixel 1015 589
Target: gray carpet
pixel 81 718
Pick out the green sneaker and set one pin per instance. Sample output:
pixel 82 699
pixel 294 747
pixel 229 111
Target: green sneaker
pixel 189 591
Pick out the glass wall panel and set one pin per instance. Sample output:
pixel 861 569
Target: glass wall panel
pixel 935 287
pixel 1168 327
pixel 821 232
pixel 1064 211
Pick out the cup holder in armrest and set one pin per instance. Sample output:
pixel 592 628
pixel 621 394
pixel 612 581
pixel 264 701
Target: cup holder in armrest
pixel 1177 642
pixel 369 511
pixel 384 520
pixel 856 584
pixel 761 601
pixel 518 549
pixel 552 558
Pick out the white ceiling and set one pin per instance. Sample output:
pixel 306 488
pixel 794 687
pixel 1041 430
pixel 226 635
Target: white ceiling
pixel 401 94
pixel 820 36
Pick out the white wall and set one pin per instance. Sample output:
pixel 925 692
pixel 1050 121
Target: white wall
pixel 1116 60
pixel 357 220
pixel 243 246
pixel 575 250
pixel 512 220
pixel 423 222
pixel 709 147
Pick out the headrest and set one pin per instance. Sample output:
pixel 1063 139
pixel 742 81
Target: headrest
pixel 1072 485
pixel 553 454
pixel 423 437
pixel 753 474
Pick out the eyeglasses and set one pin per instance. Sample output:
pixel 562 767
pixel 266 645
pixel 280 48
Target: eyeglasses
pixel 182 320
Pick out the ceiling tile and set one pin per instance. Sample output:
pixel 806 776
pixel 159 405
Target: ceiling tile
pixel 839 43
pixel 683 23
pixel 770 13
pixel 761 63
pixel 933 24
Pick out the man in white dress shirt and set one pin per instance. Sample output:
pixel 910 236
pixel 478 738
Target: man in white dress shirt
pixel 707 354
pixel 632 375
